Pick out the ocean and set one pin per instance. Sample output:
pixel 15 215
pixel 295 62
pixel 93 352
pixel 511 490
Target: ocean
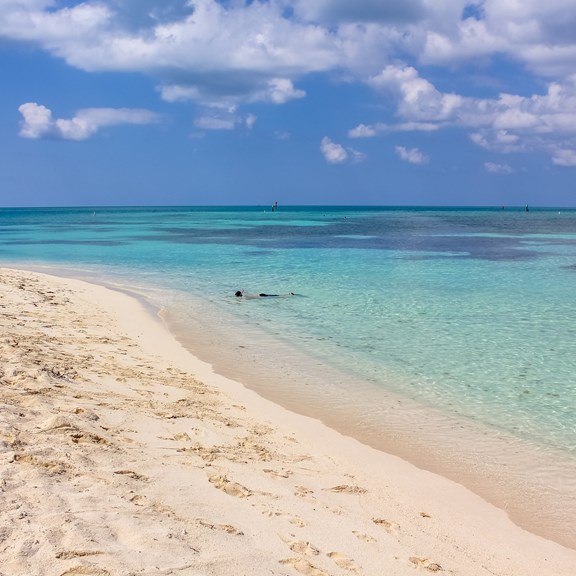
pixel 446 336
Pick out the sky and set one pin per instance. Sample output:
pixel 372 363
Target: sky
pixel 248 102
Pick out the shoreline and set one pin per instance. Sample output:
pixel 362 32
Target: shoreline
pixel 154 456
pixel 525 478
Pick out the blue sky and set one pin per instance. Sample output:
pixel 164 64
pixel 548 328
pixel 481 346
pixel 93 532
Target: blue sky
pixel 200 102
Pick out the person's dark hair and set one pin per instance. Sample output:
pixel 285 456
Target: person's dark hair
pixel 238 293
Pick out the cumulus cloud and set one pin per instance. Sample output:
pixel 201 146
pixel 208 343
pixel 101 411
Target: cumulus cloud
pixel 37 120
pixel 234 53
pixel 364 131
pixel 206 43
pixel 506 123
pixel 564 157
pixel 504 141
pixel 205 51
pixel 538 34
pixel 333 153
pixel 411 155
pixel 233 93
pixel 281 90
pixel 39 123
pixel 418 99
pixel 337 154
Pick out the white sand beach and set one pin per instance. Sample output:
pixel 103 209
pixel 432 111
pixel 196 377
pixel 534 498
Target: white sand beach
pixel 121 454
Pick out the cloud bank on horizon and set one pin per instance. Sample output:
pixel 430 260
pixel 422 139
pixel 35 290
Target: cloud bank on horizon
pixel 223 57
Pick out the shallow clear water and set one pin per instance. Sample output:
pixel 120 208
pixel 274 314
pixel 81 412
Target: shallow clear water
pixel 470 313
pixel 470 309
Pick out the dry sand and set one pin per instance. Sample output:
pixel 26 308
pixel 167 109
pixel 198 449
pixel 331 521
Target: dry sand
pixel 121 454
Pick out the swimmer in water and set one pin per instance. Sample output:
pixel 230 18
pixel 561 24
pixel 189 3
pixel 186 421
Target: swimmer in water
pixel 242 294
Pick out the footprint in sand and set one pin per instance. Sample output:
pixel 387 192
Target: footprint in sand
pixel 80 436
pixel 302 491
pixel 138 500
pixel 425 563
pixel 133 475
pixel 69 554
pixel 389 526
pixel 59 424
pixel 364 537
pixel 278 473
pixel 303 566
pixel 301 547
pixel 346 489
pixel 228 528
pixel 342 562
pixel 230 488
pixel 53 467
pixel 85 571
pixel 268 510
pixel 298 522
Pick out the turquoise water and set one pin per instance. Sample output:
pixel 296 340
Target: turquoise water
pixel 470 313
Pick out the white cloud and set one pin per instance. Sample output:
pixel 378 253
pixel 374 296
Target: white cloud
pixel 180 93
pixel 496 168
pixel 38 121
pixel 507 123
pixel 538 34
pixel 206 43
pixel 363 131
pixel 232 53
pixel 274 90
pixel 564 158
pixel 502 141
pixel 469 38
pixel 217 118
pixel 369 131
pixel 281 90
pixel 209 52
pixel 514 118
pixel 480 140
pixel 411 155
pixel 336 153
pixel 418 99
pixel 250 120
pixel 333 153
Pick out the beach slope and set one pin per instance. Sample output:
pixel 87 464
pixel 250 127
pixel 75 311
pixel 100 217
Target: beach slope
pixel 121 453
